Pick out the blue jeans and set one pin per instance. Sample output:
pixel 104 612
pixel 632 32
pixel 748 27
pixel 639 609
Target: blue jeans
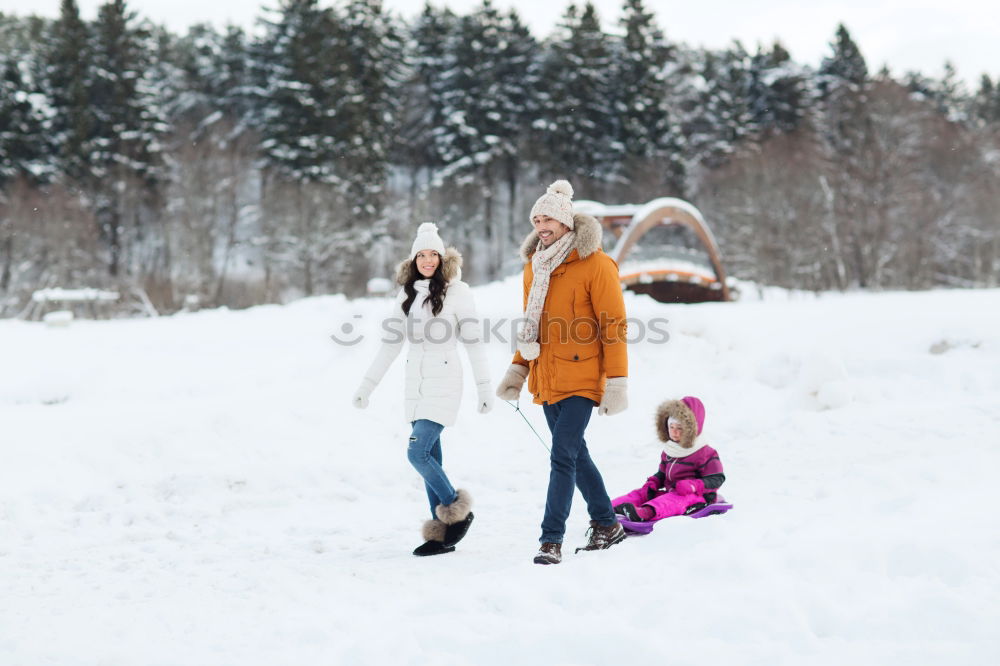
pixel 424 454
pixel 572 466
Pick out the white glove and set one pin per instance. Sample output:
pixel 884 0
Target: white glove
pixel 484 400
pixel 615 397
pixel 513 380
pixel 361 395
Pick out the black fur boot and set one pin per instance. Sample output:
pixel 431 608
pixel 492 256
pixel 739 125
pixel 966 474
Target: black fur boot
pixel 456 517
pixel 434 532
pixel 432 548
pixel 456 531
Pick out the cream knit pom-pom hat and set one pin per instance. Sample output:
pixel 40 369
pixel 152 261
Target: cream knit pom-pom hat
pixel 557 203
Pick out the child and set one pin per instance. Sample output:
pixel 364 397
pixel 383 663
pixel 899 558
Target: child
pixel 690 470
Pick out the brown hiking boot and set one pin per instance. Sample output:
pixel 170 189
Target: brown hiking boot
pixel 549 553
pixel 603 537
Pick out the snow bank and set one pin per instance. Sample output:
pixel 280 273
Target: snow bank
pixel 196 489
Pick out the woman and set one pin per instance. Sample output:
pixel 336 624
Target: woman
pixel 436 309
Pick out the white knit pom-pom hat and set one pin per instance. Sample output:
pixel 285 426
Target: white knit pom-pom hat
pixel 557 203
pixel 427 239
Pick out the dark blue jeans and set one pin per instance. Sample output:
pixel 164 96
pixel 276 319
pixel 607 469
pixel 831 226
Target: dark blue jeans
pixel 424 454
pixel 571 466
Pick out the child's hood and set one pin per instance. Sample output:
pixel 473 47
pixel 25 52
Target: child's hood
pixel 690 411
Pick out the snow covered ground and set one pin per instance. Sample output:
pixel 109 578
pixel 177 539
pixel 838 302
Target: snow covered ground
pixel 197 489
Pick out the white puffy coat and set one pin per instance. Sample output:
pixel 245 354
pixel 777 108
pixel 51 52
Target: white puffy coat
pixel 433 367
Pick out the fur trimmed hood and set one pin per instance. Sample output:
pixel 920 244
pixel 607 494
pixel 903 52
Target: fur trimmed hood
pixel 588 238
pixel 689 411
pixel 451 267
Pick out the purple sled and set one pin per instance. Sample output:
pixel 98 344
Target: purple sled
pixel 645 527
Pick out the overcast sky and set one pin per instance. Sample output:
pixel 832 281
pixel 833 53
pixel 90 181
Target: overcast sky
pixel 905 34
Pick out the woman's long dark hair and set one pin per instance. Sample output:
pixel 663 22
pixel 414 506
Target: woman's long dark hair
pixel 438 287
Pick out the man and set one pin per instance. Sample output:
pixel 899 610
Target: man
pixel 571 348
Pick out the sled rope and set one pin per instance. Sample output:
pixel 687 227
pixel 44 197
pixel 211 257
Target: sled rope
pixel 517 408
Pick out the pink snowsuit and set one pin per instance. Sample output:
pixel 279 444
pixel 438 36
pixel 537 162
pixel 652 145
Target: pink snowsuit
pixel 681 481
pixel 660 493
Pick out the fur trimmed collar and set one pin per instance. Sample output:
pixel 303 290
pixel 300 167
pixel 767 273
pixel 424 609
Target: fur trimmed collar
pixel 451 267
pixel 675 450
pixel 677 410
pixel 588 238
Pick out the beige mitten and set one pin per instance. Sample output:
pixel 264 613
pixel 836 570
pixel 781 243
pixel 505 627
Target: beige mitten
pixel 513 380
pixel 615 396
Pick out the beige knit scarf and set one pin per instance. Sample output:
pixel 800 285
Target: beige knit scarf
pixel 543 262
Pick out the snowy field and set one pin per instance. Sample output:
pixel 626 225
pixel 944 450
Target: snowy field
pixel 197 490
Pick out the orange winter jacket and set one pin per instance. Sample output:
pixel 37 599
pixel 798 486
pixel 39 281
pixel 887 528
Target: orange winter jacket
pixel 582 330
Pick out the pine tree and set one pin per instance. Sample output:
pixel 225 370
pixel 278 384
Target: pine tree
pixel 918 83
pixel 780 94
pixel 212 72
pixel 845 67
pixel 211 200
pixel 69 80
pixel 985 104
pixel 714 115
pixel 576 127
pixel 517 83
pixel 950 95
pixel 126 157
pixel 421 112
pixel 424 90
pixel 294 102
pixel 43 230
pixel 22 146
pixel 372 50
pixel 328 84
pixel 488 103
pixel 848 125
pixel 193 60
pixel 294 64
pixel 236 146
pixel 487 86
pixel 843 83
pixel 651 140
pixel 232 76
pixel 29 37
pixel 326 107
